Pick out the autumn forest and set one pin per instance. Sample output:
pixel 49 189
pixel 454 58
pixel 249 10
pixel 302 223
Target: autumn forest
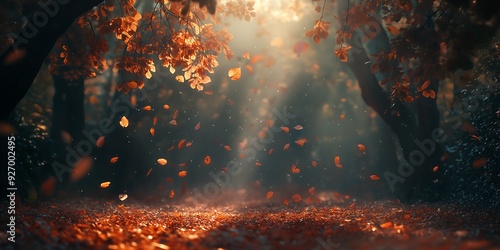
pixel 237 124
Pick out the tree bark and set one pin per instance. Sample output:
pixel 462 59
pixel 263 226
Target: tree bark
pixel 20 63
pixel 68 114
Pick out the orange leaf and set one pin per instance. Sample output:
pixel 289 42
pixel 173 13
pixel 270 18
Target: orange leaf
pixel 269 195
pixel 386 225
pixel 296 198
pixel 298 127
pixel 105 184
pixel 182 173
pixel 435 169
pixel 207 160
pixel 361 147
pixel 424 85
pixel 152 131
pixel 162 161
pixel 171 194
pixel 286 147
pixel 314 163
pixel 100 141
pixel 337 162
pixel 227 148
pixel 181 143
pixel 124 122
pixel 234 73
pixel 285 201
pixel 114 159
pixel 312 190
pixel 198 125
pixel 285 129
pixel 374 177
pixel 147 108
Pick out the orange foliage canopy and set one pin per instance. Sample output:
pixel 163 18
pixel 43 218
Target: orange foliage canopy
pixel 175 34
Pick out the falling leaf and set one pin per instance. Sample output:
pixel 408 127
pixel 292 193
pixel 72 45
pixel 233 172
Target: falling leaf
pixel 173 122
pixel 188 144
pixel 122 197
pixel 105 184
pixel 152 131
pixel 314 163
pixel 271 151
pixel 176 113
pixel 183 164
pixel 435 169
pixel 295 169
pixel 246 55
pixel 285 129
pixel 155 120
pixel 269 195
pixel 48 186
pixel 285 201
pixel 374 177
pixel 207 160
pixel 100 141
pixel 301 141
pixel 258 164
pixel 475 137
pixel 337 162
pixel 149 172
pixel 181 143
pixel 227 148
pixel 81 168
pixel 286 147
pixel 249 68
pixel 361 147
pixel 124 122
pixel 208 92
pixel 300 47
pixel 162 161
pixel 296 198
pixel 298 127
pixel 114 159
pixel 312 190
pixel 182 173
pixel 234 73
pixel 424 85
pixel 166 106
pixel 479 162
pixel 171 194
pixel 147 108
pixel 197 127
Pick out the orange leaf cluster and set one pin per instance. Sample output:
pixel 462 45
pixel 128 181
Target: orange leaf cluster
pixel 320 31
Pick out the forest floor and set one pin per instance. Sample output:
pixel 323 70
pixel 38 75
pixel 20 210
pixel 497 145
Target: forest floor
pixel 328 224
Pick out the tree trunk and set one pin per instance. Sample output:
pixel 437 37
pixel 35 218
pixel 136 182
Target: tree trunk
pixel 68 111
pixel 20 63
